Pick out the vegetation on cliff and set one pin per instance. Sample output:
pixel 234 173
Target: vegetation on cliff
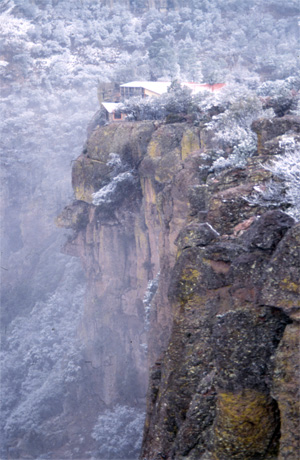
pixel 65 371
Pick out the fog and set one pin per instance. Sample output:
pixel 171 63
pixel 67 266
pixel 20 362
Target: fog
pixel 53 55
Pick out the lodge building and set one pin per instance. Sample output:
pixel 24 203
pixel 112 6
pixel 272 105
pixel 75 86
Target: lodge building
pixel 145 89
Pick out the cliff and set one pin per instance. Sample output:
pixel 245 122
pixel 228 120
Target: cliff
pixel 127 241
pixel 180 263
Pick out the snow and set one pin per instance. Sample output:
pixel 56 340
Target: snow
pixel 11 26
pixel 110 106
pixel 147 301
pixel 106 193
pixel 158 87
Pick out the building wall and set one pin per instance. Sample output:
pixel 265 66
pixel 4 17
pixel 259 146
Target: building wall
pixel 108 92
pixel 116 119
pixel 147 92
pixel 131 92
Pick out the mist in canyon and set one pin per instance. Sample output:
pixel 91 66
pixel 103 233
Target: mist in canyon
pixel 83 282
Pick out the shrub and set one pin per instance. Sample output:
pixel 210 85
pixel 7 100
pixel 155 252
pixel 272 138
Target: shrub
pixel 233 140
pixel 284 189
pixel 287 168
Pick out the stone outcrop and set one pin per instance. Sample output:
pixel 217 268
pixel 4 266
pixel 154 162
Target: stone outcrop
pixel 222 325
pixel 125 242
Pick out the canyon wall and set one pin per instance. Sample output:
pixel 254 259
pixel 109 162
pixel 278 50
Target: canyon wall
pixel 190 279
pixel 126 244
pixel 228 384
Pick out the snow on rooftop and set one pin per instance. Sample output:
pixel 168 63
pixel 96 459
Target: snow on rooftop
pixel 110 106
pixel 158 87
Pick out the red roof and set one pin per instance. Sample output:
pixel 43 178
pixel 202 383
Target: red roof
pixel 196 87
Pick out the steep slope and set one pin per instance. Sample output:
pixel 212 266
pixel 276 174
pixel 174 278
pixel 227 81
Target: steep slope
pixel 127 241
pixel 177 259
pixel 126 245
pixel 228 385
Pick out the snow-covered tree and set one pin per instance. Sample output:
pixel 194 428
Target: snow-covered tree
pixel 280 94
pixel 233 139
pixel 119 432
pixel 286 167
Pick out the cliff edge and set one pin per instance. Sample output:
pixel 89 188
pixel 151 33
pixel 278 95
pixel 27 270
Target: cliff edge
pixel 191 279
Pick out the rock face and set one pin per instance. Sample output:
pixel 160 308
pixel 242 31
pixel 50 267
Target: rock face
pixel 228 384
pixel 218 396
pixel 126 242
pixel 220 316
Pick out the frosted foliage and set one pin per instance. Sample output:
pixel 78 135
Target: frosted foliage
pixel 287 168
pixel 284 188
pixel 296 108
pixel 233 139
pixel 106 194
pixel 15 28
pixel 281 95
pixel 41 356
pixel 119 432
pixel 270 195
pixel 221 163
pixel 115 161
pixel 152 44
pixel 122 179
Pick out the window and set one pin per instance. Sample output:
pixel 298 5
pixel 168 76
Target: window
pixel 117 116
